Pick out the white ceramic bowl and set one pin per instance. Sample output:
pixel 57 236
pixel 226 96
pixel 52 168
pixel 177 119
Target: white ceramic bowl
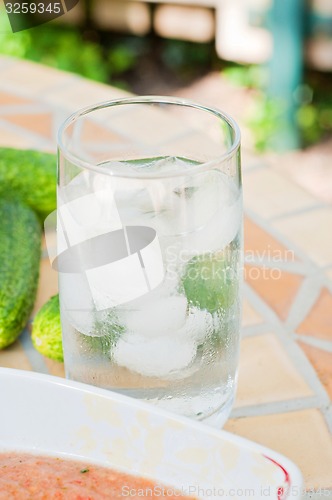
pixel 50 415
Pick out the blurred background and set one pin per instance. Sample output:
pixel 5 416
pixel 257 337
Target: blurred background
pixel 266 62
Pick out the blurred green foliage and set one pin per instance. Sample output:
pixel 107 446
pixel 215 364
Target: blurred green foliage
pixel 314 100
pixel 186 58
pixel 251 76
pixel 264 120
pixel 66 48
pixel 314 115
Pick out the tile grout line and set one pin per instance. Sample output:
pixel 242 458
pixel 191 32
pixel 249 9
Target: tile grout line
pixel 263 224
pixel 327 411
pixel 294 267
pixel 68 81
pixel 253 168
pixel 273 166
pixel 316 202
pixel 20 91
pixel 276 407
pixel 37 141
pixel 299 211
pixel 255 330
pixel 301 363
pixel 59 115
pixel 24 109
pixel 324 345
pixel 327 283
pixel 304 300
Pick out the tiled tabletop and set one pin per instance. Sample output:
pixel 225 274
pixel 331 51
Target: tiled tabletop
pixel 285 383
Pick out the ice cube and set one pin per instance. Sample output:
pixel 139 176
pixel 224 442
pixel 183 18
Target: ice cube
pixel 220 230
pixel 147 196
pixel 82 321
pixel 198 325
pixel 140 201
pixel 220 218
pixel 157 316
pixel 158 357
pixel 188 204
pixel 144 199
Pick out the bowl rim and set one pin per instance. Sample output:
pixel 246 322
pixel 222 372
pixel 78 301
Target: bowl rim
pixel 288 466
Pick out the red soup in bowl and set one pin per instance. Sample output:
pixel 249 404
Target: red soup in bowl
pixel 31 477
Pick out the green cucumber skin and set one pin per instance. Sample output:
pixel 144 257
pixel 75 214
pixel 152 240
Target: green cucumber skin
pixel 46 333
pixel 20 244
pixel 29 176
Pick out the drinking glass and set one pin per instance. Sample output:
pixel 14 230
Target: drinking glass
pixel 149 252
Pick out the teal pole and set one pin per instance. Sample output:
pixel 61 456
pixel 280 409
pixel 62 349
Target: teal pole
pixel 286 68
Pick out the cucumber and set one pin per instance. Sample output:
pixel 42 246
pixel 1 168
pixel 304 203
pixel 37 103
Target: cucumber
pixel 29 176
pixel 20 248
pixel 46 330
pixel 47 334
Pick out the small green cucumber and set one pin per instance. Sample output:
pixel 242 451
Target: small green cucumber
pixel 20 247
pixel 46 330
pixel 29 176
pixel 47 334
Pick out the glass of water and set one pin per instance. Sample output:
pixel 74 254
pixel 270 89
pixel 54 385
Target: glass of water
pixel 149 252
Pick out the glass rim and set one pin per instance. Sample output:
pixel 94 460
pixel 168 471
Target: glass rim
pixel 151 99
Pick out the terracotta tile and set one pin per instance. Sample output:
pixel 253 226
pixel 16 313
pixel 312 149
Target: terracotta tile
pixel 310 168
pixel 197 145
pixel 150 126
pixel 48 284
pixel 249 315
pixel 55 368
pixel 259 244
pixel 329 274
pixel 302 436
pixel 41 123
pixel 277 288
pixel 81 93
pixel 32 78
pixel 318 322
pixel 310 231
pixel 94 133
pixel 13 139
pixel 322 362
pixel 270 194
pixel 266 373
pixel 9 99
pixel 15 357
pixel 217 91
pixel 250 159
